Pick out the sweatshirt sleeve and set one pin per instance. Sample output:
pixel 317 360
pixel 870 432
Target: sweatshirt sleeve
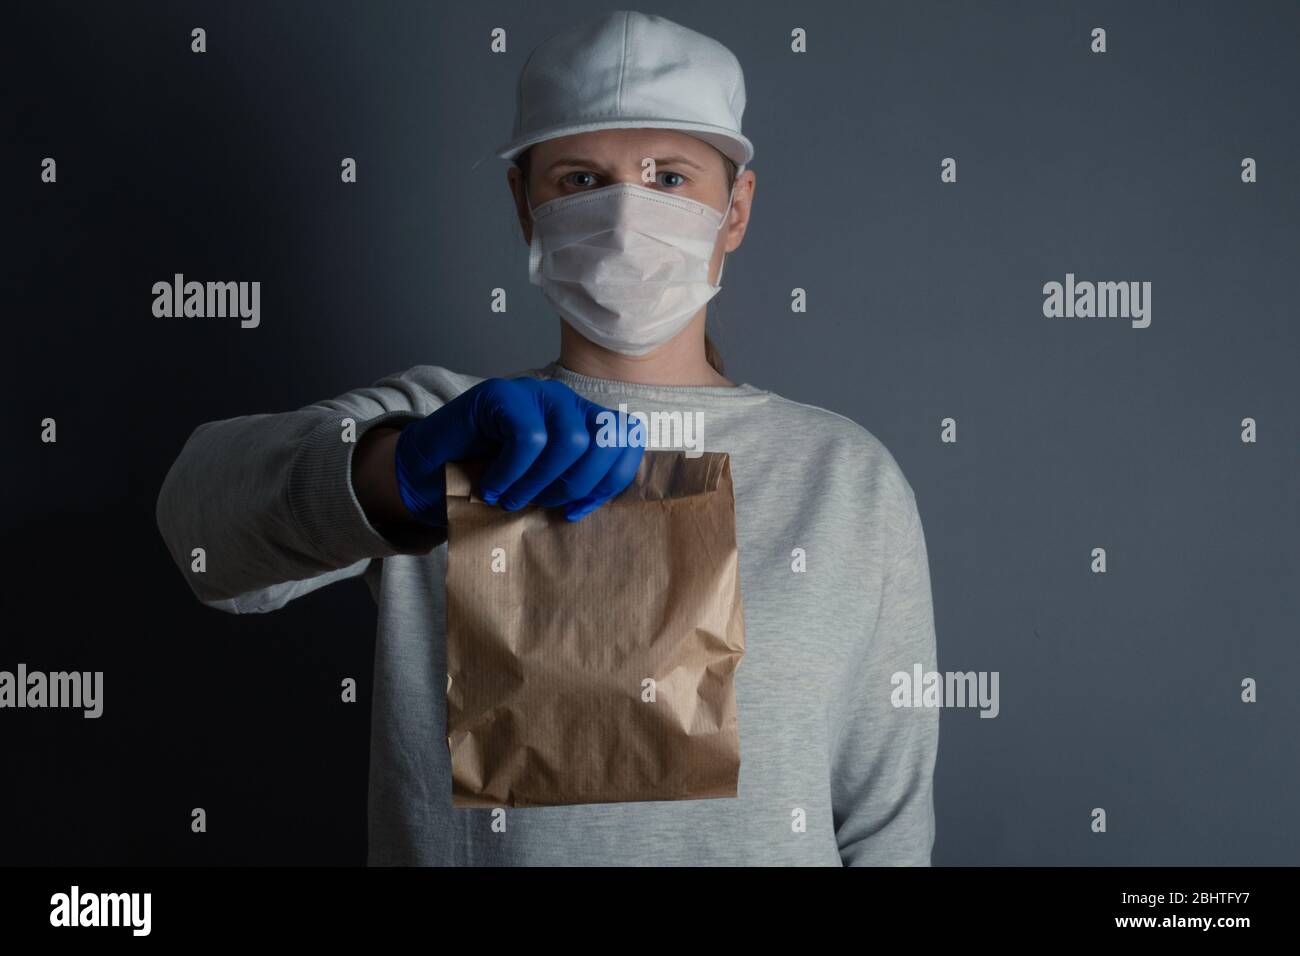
pixel 883 756
pixel 269 500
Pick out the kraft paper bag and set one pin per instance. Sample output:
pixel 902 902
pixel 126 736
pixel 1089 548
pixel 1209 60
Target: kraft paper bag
pixel 593 661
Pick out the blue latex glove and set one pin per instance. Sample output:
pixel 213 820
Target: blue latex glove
pixel 541 437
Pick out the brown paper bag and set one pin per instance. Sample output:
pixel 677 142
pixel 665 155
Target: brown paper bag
pixel 592 661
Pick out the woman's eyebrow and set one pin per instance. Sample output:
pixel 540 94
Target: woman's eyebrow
pixel 678 161
pixel 587 163
pixel 569 161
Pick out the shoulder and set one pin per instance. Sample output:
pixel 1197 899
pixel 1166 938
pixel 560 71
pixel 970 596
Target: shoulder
pixel 428 387
pixel 843 457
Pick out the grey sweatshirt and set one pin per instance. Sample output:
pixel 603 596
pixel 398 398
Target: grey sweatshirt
pixel 831 772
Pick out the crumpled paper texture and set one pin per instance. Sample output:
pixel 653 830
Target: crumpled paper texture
pixel 547 659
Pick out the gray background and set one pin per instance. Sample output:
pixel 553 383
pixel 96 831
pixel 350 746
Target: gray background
pixel 1118 690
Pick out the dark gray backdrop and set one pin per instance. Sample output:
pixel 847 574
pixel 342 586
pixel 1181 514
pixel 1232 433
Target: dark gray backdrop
pixel 1118 691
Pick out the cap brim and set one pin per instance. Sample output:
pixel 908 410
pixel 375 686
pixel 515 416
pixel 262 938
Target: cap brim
pixel 731 144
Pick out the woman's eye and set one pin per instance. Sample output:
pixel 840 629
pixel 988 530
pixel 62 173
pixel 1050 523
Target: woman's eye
pixel 581 180
pixel 671 179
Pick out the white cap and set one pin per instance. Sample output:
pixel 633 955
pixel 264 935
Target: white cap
pixel 631 70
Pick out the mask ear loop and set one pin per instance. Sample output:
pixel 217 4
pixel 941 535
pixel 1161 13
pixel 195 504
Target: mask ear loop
pixel 534 242
pixel 730 199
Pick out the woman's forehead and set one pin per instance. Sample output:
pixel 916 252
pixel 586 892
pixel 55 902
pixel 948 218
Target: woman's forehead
pixel 625 146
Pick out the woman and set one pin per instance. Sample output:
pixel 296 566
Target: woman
pixel 630 194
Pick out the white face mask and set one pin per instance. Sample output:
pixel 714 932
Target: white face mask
pixel 626 265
